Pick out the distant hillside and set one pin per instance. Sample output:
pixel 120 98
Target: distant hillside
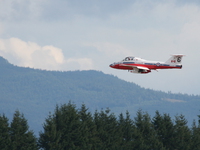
pixel 36 92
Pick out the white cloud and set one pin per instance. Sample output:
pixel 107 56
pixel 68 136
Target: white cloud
pixel 54 52
pixel 30 54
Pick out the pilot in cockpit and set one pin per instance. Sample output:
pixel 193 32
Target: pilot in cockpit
pixel 128 58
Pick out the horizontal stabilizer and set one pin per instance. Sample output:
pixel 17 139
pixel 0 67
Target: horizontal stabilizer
pixel 177 55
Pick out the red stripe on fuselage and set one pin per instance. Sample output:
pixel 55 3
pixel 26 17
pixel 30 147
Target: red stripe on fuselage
pixel 121 66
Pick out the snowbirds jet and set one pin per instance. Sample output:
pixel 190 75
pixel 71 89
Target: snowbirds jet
pixel 142 66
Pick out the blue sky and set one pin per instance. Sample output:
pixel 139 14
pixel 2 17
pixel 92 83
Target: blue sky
pixel 82 35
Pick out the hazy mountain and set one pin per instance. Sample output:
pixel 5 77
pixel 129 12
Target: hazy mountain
pixel 36 92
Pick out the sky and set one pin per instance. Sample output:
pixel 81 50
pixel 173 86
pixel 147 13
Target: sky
pixel 72 35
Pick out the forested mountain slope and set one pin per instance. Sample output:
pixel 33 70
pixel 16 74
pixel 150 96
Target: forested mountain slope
pixel 36 92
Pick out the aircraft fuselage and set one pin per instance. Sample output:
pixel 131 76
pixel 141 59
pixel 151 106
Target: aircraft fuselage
pixel 138 65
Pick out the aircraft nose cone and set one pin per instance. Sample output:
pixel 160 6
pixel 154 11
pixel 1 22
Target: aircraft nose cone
pixel 113 65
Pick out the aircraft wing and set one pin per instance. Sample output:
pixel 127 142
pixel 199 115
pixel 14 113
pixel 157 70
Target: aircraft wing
pixel 144 68
pixel 132 66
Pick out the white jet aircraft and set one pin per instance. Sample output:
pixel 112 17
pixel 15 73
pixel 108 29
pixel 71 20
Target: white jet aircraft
pixel 142 66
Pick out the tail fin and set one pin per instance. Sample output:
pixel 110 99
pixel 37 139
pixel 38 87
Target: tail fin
pixel 175 59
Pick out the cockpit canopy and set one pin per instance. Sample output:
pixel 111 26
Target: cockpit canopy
pixel 128 58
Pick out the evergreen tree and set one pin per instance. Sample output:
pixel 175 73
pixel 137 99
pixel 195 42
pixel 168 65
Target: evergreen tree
pixel 88 130
pixel 21 137
pixel 77 129
pixel 182 134
pixel 195 142
pixel 51 138
pixel 128 132
pixel 147 138
pixel 164 128
pixel 4 133
pixel 62 129
pixel 108 130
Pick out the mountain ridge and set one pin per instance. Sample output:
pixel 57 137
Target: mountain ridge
pixel 36 92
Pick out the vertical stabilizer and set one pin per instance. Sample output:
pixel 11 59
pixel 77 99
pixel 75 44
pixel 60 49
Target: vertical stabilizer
pixel 175 59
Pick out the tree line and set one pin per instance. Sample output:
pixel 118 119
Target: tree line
pixel 69 127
